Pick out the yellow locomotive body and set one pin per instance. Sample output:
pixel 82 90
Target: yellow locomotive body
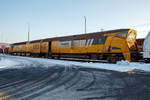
pixel 111 43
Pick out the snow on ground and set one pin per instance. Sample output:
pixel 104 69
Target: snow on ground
pixel 19 62
pixel 6 63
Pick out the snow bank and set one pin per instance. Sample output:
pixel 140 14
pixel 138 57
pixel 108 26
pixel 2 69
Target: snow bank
pixel 121 66
pixel 6 63
pixel 18 61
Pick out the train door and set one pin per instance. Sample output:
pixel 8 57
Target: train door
pixel 107 45
pixel 117 45
pixel 50 44
pixel 40 46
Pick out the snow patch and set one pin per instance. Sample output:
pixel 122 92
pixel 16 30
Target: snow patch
pixel 6 63
pixel 123 62
pixel 21 62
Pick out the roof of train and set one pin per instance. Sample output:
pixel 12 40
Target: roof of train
pixel 79 36
pixel 87 35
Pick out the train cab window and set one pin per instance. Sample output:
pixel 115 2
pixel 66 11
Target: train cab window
pixel 102 40
pixel 131 37
pixel 95 40
pixel 65 44
pixel 122 34
pixel 16 46
pixel 99 40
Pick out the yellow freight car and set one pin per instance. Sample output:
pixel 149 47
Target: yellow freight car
pixel 111 45
pixel 18 48
pixel 34 48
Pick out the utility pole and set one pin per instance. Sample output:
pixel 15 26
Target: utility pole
pixel 28 32
pixel 85 24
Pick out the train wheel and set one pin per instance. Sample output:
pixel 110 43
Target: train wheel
pixel 112 59
pixel 109 59
pixel 94 56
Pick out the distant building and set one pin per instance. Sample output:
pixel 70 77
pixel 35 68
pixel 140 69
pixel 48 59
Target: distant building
pixel 4 47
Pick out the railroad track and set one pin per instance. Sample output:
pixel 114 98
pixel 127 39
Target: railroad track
pixel 84 60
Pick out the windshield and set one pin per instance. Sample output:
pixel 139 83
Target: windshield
pixel 131 36
pixel 131 40
pixel 123 34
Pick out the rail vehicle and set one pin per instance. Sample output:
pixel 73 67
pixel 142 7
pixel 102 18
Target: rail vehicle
pixel 112 45
pixel 146 48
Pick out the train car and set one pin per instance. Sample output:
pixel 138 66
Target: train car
pixel 33 48
pixel 146 48
pixel 38 48
pixel 18 48
pixel 109 45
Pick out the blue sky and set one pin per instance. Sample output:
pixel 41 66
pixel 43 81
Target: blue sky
pixel 50 18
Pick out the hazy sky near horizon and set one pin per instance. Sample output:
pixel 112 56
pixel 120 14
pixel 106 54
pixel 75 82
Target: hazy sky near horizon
pixel 51 18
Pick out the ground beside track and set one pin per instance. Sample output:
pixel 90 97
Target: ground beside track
pixel 59 82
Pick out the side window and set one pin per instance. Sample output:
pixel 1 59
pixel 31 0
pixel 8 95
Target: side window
pixel 83 42
pixel 96 40
pixel 99 40
pixel 80 42
pixel 123 34
pixel 102 40
pixel 16 46
pixel 75 43
pixel 64 44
